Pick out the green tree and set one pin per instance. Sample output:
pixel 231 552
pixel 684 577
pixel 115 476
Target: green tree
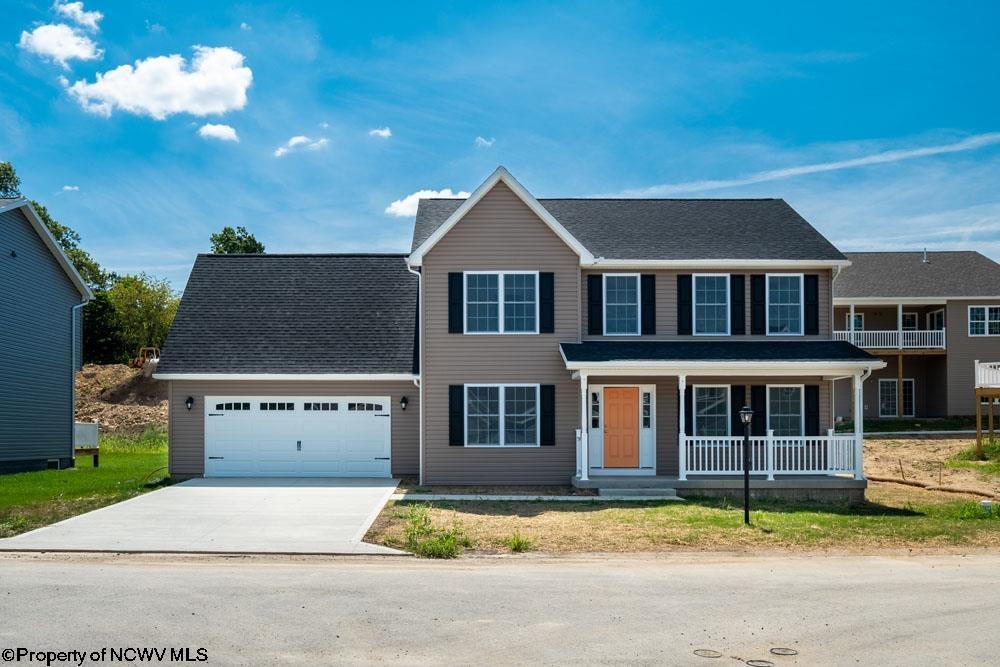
pixel 69 241
pixel 10 184
pixel 102 338
pixel 235 241
pixel 144 309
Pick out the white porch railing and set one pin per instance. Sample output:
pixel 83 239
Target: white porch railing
pixel 987 374
pixel 772 455
pixel 894 339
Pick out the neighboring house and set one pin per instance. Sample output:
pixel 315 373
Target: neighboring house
pixel 41 297
pixel 930 316
pixel 603 341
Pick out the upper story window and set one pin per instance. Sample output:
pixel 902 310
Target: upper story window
pixel 784 304
pixel 501 302
pixel 859 321
pixel 621 304
pixel 935 320
pixel 984 320
pixel 909 321
pixel 711 305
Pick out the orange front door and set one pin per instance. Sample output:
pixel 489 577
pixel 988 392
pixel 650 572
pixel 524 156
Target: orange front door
pixel 621 427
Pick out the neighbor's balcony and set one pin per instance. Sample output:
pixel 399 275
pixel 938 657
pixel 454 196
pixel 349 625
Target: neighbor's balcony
pixel 987 374
pixel 773 455
pixel 927 339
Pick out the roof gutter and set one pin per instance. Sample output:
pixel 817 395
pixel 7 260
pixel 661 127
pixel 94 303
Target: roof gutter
pixel 316 377
pixel 601 262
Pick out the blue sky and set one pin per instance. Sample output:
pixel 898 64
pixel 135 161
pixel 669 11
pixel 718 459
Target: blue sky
pixel 877 121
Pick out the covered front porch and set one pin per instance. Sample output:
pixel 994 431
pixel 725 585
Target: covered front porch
pixel 665 414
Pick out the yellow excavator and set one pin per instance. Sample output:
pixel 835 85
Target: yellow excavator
pixel 144 355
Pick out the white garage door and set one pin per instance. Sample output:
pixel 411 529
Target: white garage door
pixel 297 436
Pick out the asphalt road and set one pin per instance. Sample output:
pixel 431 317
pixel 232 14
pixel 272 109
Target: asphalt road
pixel 592 610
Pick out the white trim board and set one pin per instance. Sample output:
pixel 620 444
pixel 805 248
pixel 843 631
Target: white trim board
pixel 906 301
pixel 318 377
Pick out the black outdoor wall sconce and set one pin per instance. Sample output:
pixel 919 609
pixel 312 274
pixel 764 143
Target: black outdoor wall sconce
pixel 403 402
pixel 189 403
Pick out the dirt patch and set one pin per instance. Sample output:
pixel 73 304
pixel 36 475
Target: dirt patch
pixel 923 460
pixel 120 398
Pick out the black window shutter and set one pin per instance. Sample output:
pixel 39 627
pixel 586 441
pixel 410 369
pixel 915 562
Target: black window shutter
pixel 811 289
pixel 455 296
pixel 758 403
pixel 546 303
pixel 812 409
pixel 737 305
pixel 758 304
pixel 684 304
pixel 456 415
pixel 648 288
pixel 548 413
pixel 688 412
pixel 595 305
pixel 737 399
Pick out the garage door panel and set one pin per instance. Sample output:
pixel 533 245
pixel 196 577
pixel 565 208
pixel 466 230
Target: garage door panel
pixel 278 436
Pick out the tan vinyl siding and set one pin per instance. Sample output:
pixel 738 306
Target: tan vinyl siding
pixel 666 304
pixel 499 233
pixel 963 350
pixel 187 427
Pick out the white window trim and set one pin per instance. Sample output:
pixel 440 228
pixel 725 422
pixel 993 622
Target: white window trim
pixel 899 397
pixel 986 328
pixel 502 398
pixel 802 408
pixel 916 320
pixel 500 301
pixel 802 303
pixel 847 320
pixel 694 303
pixel 930 317
pixel 694 408
pixel 604 302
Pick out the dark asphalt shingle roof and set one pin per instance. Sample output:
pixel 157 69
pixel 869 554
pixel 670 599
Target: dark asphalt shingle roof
pixel 904 274
pixel 806 350
pixel 668 229
pixel 295 314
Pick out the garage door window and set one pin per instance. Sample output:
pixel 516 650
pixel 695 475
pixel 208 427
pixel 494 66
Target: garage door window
pixel 232 406
pixel 324 407
pixel 277 406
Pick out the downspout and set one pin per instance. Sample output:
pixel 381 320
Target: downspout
pixel 420 360
pixel 74 312
pixel 833 283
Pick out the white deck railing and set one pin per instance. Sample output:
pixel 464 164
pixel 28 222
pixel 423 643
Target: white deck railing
pixel 773 455
pixel 927 339
pixel 987 374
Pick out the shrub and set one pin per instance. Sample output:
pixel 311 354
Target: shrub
pixel 518 543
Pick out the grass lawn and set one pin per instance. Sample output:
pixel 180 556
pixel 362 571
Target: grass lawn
pixel 130 465
pixel 990 468
pixel 910 425
pixel 895 517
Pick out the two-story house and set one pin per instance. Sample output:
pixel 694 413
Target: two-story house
pixel 931 316
pixel 605 341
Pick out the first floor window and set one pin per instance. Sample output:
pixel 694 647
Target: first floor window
pixel 647 410
pixel 784 410
pixel 501 415
pixel 621 305
pixel 595 409
pixel 711 305
pixel 888 397
pixel 711 411
pixel 784 304
pixel 984 320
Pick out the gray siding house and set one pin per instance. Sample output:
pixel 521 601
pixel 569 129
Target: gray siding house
pixel 599 342
pixel 41 296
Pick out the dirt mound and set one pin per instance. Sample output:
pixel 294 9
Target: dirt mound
pixel 120 398
pixel 924 460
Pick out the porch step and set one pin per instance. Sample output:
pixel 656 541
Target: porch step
pixel 646 492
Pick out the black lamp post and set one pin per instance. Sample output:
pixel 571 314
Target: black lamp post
pixel 746 416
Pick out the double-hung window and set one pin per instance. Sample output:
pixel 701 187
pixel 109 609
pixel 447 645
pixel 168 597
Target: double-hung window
pixel 909 321
pixel 785 414
pixel 784 304
pixel 501 416
pixel 859 321
pixel 711 304
pixel 711 411
pixel 501 302
pixel 621 304
pixel 984 320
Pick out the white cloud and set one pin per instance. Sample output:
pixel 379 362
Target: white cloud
pixel 245 26
pixel 324 125
pixel 215 82
pixel 154 27
pixel 407 206
pixel 299 142
pixel 59 42
pixel 74 12
pixel 70 188
pixel 885 157
pixel 482 142
pixel 380 132
pixel 220 132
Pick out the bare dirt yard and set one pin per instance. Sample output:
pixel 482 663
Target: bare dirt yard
pixel 926 460
pixel 120 398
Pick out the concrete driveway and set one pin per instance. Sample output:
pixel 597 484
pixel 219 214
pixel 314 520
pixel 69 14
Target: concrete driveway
pixel 230 515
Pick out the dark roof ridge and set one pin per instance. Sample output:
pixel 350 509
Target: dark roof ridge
pixel 303 254
pixel 628 198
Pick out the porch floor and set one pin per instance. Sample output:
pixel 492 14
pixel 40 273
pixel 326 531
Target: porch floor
pixel 719 482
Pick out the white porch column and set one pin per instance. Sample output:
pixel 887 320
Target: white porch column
pixel 850 326
pixel 859 428
pixel 584 424
pixel 899 325
pixel 682 430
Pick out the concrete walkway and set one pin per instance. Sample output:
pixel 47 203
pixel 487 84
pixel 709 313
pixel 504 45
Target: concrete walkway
pixel 227 515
